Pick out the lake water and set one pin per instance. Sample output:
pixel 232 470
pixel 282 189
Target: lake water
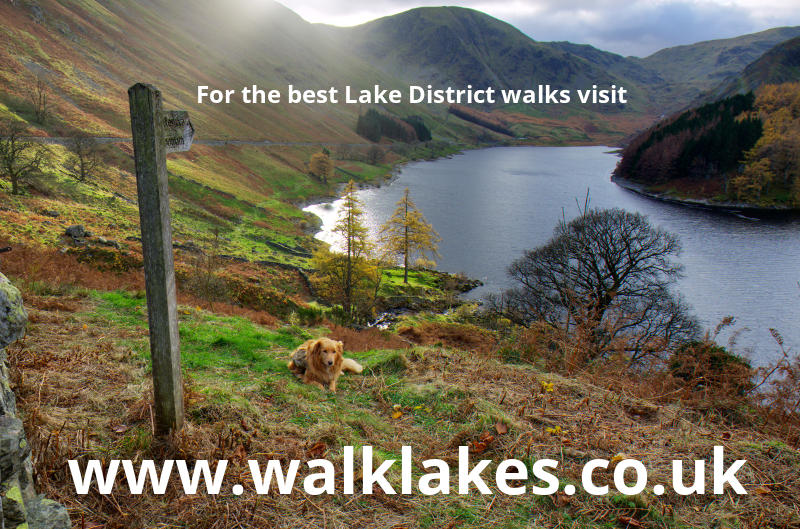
pixel 490 205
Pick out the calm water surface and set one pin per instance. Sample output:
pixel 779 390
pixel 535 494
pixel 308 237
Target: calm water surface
pixel 490 205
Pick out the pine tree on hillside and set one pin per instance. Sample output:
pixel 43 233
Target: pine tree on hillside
pixel 407 232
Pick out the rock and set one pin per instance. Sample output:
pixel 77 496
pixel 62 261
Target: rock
pixel 187 246
pixel 106 242
pixel 51 213
pixel 20 506
pixel 76 232
pixel 48 514
pixel 37 13
pixel 13 317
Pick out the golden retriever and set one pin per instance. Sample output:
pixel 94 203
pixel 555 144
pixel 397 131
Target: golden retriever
pixel 320 363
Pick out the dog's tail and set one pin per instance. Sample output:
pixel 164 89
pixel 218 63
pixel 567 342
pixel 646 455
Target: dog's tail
pixel 348 364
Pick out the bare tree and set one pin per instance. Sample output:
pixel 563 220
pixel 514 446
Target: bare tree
pixel 20 160
pixel 83 159
pixel 375 155
pixel 610 273
pixel 38 97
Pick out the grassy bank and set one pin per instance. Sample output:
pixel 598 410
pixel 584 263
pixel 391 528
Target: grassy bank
pixel 82 380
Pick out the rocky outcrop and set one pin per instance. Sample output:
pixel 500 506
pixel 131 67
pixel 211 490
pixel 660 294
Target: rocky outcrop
pixel 21 507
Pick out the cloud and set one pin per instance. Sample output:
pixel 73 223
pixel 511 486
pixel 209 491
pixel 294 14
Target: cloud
pixel 628 27
pixel 640 28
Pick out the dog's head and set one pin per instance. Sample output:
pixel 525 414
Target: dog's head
pixel 326 354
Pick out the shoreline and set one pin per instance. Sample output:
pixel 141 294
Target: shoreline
pixel 731 208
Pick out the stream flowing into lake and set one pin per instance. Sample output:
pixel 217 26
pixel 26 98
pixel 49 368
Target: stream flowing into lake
pixel 490 205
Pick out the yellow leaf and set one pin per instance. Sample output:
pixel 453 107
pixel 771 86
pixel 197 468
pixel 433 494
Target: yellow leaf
pixel 617 458
pixel 397 414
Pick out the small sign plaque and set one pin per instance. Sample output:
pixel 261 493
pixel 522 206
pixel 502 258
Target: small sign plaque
pixel 178 131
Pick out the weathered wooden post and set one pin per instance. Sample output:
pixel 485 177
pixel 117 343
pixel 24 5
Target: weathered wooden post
pixel 155 133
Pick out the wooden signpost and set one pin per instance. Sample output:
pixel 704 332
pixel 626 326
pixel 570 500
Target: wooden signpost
pixel 156 133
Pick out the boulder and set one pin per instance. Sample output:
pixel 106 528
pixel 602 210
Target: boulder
pixel 13 317
pixel 20 506
pixel 76 232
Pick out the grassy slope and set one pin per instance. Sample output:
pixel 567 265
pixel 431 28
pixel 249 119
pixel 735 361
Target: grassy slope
pixel 780 64
pixel 695 68
pixel 90 52
pixel 451 46
pixel 242 403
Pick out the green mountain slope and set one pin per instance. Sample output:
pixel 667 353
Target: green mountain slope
pixel 693 69
pixel 781 64
pixel 90 52
pixel 459 46
pixel 453 46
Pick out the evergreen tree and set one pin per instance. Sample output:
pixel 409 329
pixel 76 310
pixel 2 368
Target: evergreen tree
pixel 407 232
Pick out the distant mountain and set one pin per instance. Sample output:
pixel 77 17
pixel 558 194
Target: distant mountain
pixel 781 64
pixel 696 68
pixel 90 51
pixel 453 46
pixel 459 46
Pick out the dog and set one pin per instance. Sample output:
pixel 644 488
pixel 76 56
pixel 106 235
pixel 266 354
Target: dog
pixel 320 363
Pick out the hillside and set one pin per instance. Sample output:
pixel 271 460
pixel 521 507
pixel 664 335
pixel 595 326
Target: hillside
pixel 242 403
pixel 458 46
pixel 693 69
pixel 780 64
pixel 738 152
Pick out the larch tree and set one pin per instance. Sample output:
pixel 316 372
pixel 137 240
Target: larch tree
pixel 351 277
pixel 407 233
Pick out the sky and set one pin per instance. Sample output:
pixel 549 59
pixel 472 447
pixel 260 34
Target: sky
pixel 627 27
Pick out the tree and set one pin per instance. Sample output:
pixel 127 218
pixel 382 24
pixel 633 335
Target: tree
pixel 83 159
pixel 407 233
pixel 38 97
pixel 20 160
pixel 321 166
pixel 608 273
pixel 375 155
pixel 352 277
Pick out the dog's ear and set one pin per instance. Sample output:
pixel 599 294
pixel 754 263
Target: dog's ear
pixel 340 347
pixel 313 349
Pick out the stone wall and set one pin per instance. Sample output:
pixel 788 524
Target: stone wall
pixel 21 507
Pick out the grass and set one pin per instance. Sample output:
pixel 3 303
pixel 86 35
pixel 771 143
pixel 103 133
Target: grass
pixel 83 372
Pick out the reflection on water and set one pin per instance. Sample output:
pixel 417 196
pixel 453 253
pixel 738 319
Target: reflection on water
pixel 489 205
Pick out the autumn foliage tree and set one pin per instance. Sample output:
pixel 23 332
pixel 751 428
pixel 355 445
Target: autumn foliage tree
pixel 351 277
pixel 774 161
pixel 321 166
pixel 407 233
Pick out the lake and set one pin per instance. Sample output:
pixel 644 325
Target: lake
pixel 490 205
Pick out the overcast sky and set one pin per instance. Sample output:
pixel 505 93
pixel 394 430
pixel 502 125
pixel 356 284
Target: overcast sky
pixel 628 27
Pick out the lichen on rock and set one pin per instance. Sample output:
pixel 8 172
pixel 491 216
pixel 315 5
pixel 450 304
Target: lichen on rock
pixel 20 506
